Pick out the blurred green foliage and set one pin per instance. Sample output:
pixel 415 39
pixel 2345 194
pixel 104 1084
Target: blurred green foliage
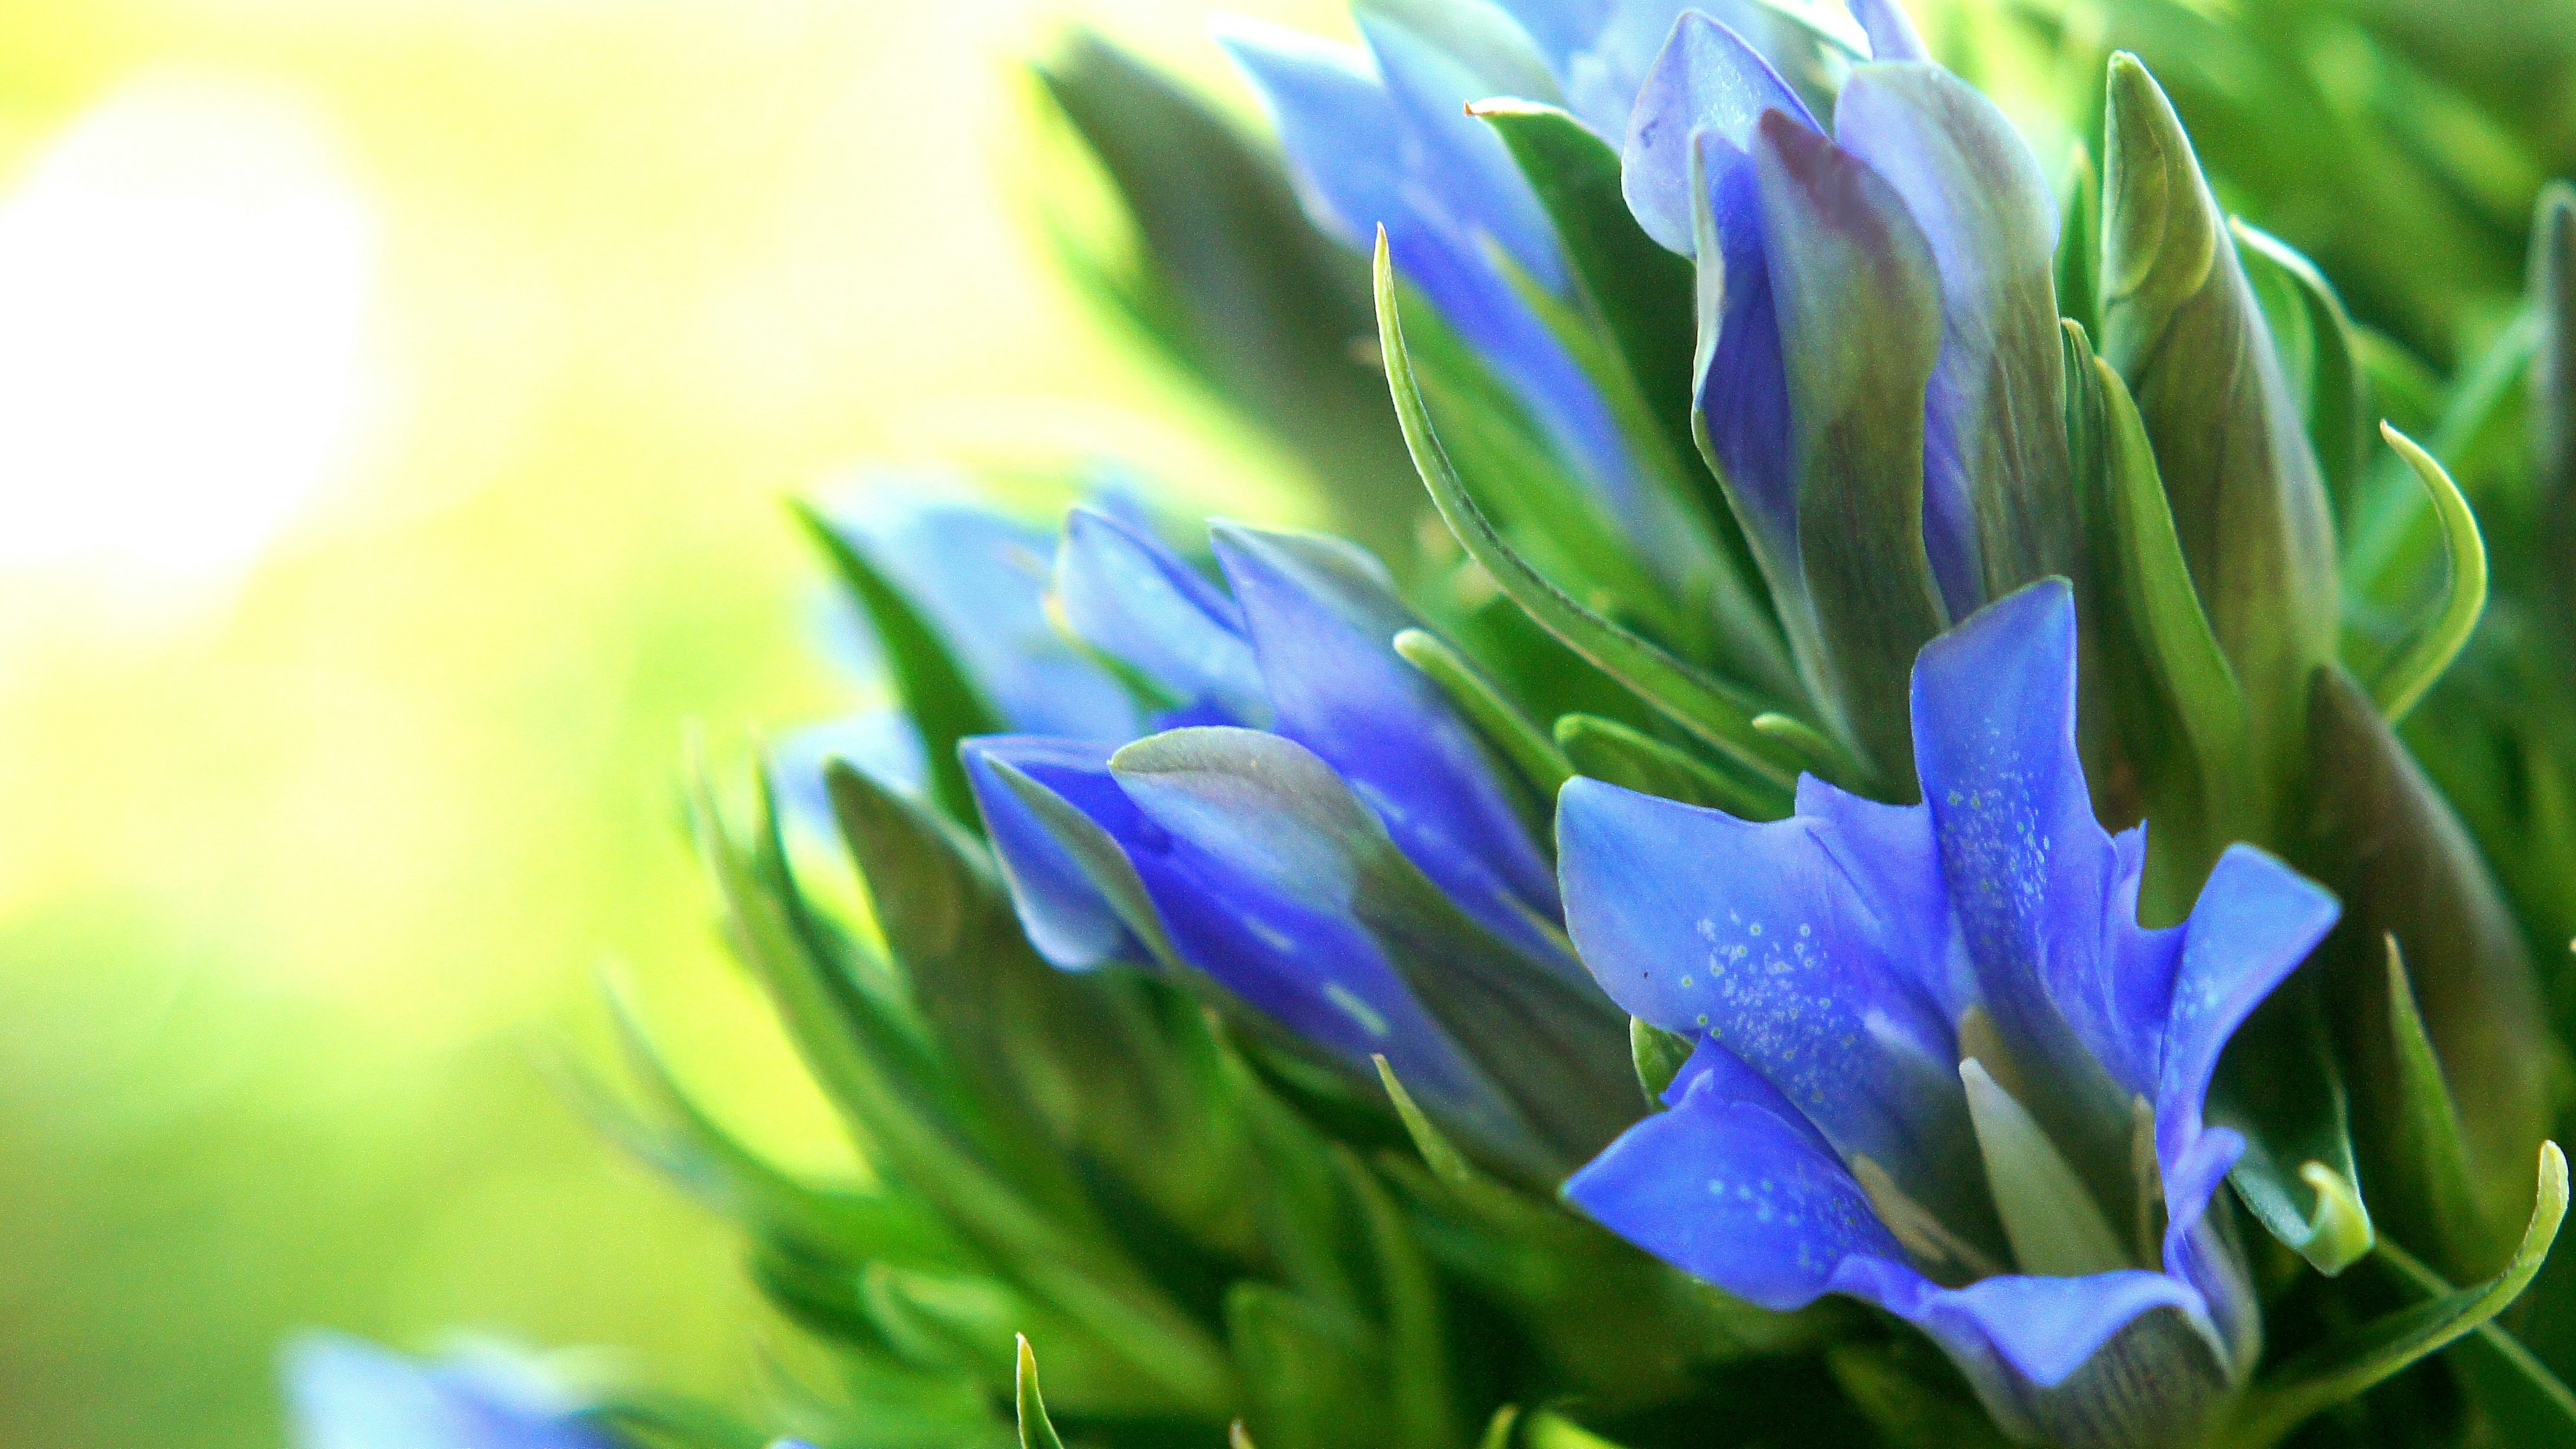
pixel 305 877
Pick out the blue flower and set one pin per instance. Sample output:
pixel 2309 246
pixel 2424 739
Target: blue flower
pixel 1940 1066
pixel 1906 252
pixel 344 1394
pixel 980 580
pixel 1290 666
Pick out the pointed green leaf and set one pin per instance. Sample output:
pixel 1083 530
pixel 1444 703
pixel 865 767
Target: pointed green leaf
pixel 2464 596
pixel 1692 701
pixel 1608 750
pixel 2522 1402
pixel 1036 1430
pixel 2352 1363
pixel 2385 842
pixel 1658 1055
pixel 1510 733
pixel 1415 1355
pixel 943 700
pixel 2426 1134
pixel 1438 1154
pixel 2079 242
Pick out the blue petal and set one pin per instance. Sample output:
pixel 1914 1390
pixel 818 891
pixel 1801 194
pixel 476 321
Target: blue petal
pixel 1891 31
pixel 982 581
pixel 1336 122
pixel 2039 1331
pixel 1706 79
pixel 1460 168
pixel 2255 921
pixel 1893 862
pixel 1134 599
pixel 1367 156
pixel 343 1394
pixel 2032 875
pixel 1730 1080
pixel 1983 202
pixel 1733 1194
pixel 1317 973
pixel 1064 914
pixel 1322 617
pixel 1696 921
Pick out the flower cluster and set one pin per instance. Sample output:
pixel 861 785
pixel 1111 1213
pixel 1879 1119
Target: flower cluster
pixel 1888 788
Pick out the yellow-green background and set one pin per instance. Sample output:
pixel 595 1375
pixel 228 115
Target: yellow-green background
pixel 306 862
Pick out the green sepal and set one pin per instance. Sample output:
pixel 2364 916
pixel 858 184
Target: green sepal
pixel 2165 721
pixel 1438 1153
pixel 2279 1088
pixel 2313 337
pixel 2403 680
pixel 935 689
pixel 1608 750
pixel 2426 1133
pixel 2350 1364
pixel 1690 699
pixel 1544 1041
pixel 1511 734
pixel 1658 1056
pixel 1037 1431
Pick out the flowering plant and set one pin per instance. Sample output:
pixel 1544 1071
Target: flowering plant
pixel 1866 885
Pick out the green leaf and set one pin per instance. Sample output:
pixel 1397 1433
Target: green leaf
pixel 1659 1056
pixel 2384 841
pixel 1691 700
pixel 1547 1042
pixel 1438 1153
pixel 907 1125
pixel 2182 326
pixel 2464 596
pixel 2349 1365
pixel 2426 1133
pixel 1608 750
pixel 2279 1088
pixel 1306 1368
pixel 1036 1430
pixel 942 699
pixel 2553 366
pixel 1842 246
pixel 2079 242
pixel 1511 734
pixel 2314 338
pixel 2522 1402
pixel 1415 1356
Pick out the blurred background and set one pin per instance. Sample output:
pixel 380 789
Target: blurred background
pixel 397 398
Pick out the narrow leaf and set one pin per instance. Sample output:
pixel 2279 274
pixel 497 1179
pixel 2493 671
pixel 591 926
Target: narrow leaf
pixel 1438 1154
pixel 1036 1430
pixel 1669 685
pixel 2522 1402
pixel 1512 734
pixel 2348 1366
pixel 1608 750
pixel 2314 336
pixel 2426 1134
pixel 2464 594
